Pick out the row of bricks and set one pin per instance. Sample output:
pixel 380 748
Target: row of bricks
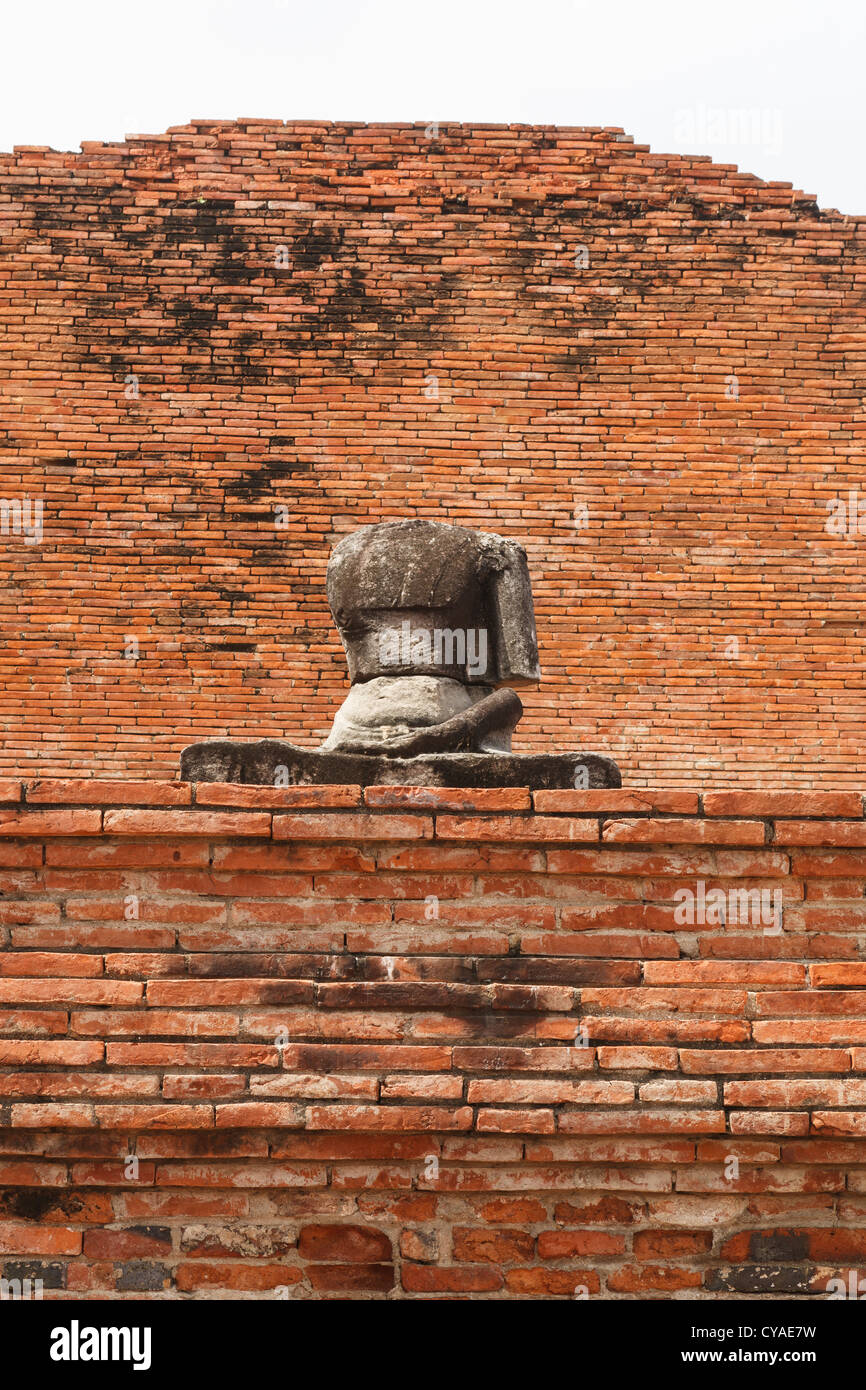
pixel 169 998
pixel 356 1028
pixel 239 1200
pixel 313 144
pixel 706 856
pixel 667 767
pixel 389 940
pixel 692 1180
pixel 478 190
pixel 109 1155
pixel 340 1281
pixel 540 1120
pixel 724 1024
pixel 361 1056
pixel 342 1062
pixel 570 957
pixel 823 1003
pixel 140 1278
pixel 337 1282
pixel 497 1031
pixel 566 950
pixel 248 900
pixel 94 792
pixel 270 866
pixel 475 927
pixel 707 862
pixel 367 1244
pixel 467 1244
pixel 422 1079
pixel 785 1094
pixel 235 1213
pixel 139 1105
pixel 360 826
pixel 20 982
pixel 483 896
pixel 595 1137
pixel 258 898
pixel 270 971
pixel 683 991
pixel 548 1119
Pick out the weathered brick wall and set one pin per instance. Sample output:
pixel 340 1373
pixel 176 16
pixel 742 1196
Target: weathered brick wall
pixel 429 1043
pixel 647 367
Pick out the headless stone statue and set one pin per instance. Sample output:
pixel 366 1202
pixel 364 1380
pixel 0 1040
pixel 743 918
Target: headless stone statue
pixel 434 619
pixel 438 627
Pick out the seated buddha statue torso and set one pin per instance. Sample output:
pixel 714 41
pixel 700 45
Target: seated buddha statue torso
pixel 435 620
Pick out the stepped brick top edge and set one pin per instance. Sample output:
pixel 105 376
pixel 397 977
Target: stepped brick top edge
pixel 199 132
pixel 31 796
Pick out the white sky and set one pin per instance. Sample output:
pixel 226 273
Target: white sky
pixel 774 86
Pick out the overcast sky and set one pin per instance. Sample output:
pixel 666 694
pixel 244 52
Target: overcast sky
pixel 774 86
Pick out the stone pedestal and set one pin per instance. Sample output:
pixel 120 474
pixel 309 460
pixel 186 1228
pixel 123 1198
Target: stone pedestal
pixel 271 762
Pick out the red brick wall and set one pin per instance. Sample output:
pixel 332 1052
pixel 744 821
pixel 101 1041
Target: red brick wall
pixel 697 387
pixel 433 1121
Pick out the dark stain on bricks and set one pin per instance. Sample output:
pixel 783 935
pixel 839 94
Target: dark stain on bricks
pixel 777 1247
pixel 287 992
pixel 33 1204
pixel 160 1234
pixel 254 483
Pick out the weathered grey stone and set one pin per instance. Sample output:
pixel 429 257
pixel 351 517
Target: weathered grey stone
pixel 423 714
pixel 438 625
pixel 270 762
pixel 433 618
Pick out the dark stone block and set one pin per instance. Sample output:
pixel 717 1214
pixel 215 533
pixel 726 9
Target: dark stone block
pixel 270 762
pixel 51 1276
pixel 777 1279
pixel 141 1276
